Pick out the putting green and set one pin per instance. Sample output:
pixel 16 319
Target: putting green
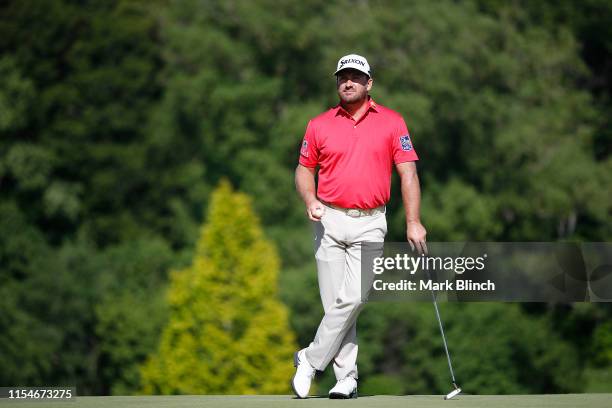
pixel 382 401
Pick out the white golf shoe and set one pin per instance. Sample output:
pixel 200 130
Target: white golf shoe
pixel 344 388
pixel 303 374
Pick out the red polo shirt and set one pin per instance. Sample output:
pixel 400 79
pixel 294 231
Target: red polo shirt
pixel 356 158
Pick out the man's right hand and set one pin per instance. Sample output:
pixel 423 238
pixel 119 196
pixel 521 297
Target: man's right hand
pixel 315 210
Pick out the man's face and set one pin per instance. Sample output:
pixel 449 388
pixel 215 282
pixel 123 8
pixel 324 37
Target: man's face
pixel 353 86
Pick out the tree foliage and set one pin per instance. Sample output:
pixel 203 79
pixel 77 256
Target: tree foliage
pixel 227 332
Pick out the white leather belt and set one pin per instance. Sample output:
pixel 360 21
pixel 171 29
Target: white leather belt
pixel 356 212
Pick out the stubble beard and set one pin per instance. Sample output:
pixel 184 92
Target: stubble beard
pixel 353 98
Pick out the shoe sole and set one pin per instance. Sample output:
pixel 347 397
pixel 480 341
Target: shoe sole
pixel 337 395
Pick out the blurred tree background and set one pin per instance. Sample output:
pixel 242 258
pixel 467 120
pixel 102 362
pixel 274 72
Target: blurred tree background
pixel 118 119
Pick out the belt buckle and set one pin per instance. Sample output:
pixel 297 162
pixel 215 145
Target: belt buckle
pixel 353 213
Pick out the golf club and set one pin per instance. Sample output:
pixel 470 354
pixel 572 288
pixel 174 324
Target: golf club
pixel 457 389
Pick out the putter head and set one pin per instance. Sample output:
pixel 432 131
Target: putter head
pixel 453 393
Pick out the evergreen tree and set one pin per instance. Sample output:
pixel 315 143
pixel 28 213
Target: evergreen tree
pixel 227 331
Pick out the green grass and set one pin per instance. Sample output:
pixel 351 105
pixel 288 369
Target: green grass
pixel 386 401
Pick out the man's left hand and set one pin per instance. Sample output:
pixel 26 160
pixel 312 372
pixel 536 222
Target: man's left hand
pixel 415 234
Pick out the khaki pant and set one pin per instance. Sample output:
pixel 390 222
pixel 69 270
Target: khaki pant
pixel 338 242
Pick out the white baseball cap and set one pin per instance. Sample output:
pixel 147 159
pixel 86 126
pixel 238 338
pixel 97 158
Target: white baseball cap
pixel 354 61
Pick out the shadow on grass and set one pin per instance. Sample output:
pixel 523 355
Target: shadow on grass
pixel 327 397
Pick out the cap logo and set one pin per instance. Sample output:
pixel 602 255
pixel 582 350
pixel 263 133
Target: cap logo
pixel 352 60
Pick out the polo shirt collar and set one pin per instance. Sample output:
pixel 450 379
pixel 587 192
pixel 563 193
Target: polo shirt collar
pixel 373 107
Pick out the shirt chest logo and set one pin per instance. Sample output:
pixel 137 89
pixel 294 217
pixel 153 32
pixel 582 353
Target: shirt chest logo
pixel 405 142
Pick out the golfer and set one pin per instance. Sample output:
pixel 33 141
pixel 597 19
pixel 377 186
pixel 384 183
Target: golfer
pixel 355 146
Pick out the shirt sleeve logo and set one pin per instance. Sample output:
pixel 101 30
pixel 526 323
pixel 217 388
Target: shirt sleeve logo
pixel 405 142
pixel 304 150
